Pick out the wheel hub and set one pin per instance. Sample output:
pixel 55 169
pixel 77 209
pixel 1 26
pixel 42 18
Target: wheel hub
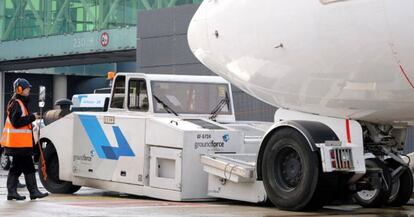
pixel 289 168
pixel 367 195
pixel 394 190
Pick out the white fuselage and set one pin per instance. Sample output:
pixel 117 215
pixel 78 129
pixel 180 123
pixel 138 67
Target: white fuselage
pixel 345 59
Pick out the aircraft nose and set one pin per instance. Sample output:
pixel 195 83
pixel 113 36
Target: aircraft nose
pixel 197 34
pixel 197 37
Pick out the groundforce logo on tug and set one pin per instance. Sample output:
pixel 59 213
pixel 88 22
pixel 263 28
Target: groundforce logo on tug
pixel 211 143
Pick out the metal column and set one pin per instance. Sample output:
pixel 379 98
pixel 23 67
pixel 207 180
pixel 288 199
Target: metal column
pixel 59 87
pixel 1 100
pixel 2 18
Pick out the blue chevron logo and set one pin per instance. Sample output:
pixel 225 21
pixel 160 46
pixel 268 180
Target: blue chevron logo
pixel 100 142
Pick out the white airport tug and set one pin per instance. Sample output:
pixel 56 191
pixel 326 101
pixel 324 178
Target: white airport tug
pixel 152 139
pixel 175 137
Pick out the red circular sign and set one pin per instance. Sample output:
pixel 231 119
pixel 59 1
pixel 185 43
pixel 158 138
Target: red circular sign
pixel 104 39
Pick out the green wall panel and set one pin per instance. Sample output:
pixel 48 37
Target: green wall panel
pixel 23 19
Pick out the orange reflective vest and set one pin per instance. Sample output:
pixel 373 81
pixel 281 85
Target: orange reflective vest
pixel 17 137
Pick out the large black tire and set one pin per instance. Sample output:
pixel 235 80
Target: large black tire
pixel 292 174
pixel 53 184
pixel 5 161
pixel 402 189
pixel 379 196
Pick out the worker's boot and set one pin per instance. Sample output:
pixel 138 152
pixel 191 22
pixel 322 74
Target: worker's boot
pixel 12 188
pixel 32 187
pixel 20 185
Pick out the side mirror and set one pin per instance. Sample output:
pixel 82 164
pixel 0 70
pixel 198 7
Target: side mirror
pixel 42 96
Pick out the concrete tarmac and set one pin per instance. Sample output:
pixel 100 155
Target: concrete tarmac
pixel 93 203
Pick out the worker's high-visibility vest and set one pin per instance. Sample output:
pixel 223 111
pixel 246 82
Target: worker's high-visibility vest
pixel 17 137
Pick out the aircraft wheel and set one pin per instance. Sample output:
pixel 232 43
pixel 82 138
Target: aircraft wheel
pixel 402 188
pixel 378 196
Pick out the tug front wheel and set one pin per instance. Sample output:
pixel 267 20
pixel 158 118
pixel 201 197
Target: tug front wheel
pixel 53 184
pixel 292 172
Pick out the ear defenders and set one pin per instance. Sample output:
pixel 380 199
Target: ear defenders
pixel 17 88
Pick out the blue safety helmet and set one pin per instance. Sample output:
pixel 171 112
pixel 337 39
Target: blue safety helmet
pixel 21 82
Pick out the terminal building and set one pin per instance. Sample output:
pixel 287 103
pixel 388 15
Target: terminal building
pixel 70 45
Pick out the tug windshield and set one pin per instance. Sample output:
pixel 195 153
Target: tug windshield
pixel 190 98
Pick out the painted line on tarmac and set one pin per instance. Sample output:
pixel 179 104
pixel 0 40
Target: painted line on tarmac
pixel 141 204
pixel 111 202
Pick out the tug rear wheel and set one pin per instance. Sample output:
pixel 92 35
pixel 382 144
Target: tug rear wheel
pixel 292 174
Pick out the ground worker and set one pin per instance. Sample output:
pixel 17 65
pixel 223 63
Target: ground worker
pixel 17 138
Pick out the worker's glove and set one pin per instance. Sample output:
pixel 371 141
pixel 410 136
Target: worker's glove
pixel 37 115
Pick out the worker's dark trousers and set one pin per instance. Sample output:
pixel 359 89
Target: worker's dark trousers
pixel 24 164
pixel 20 164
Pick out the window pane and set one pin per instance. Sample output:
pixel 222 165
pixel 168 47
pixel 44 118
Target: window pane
pixel 119 93
pixel 32 19
pixel 190 98
pixel 138 97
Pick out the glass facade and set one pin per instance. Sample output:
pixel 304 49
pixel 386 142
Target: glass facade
pixel 22 19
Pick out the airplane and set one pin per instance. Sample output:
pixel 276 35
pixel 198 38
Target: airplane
pixel 337 70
